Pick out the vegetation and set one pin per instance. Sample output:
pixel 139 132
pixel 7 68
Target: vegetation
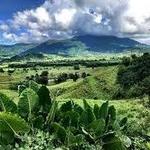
pixel 67 63
pixel 134 76
pixel 64 104
pixel 71 125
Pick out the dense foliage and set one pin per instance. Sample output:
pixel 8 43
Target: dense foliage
pixel 70 125
pixel 134 76
pixel 60 63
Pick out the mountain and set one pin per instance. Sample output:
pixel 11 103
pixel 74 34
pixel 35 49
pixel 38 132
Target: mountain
pixel 12 50
pixel 79 45
pixel 86 44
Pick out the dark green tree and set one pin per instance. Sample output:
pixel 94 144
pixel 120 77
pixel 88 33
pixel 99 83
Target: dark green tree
pixel 44 99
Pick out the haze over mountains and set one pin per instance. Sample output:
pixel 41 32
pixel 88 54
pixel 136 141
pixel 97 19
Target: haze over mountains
pixel 11 50
pixel 76 45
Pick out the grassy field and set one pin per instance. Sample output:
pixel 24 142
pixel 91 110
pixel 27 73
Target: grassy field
pixel 99 85
pixel 96 89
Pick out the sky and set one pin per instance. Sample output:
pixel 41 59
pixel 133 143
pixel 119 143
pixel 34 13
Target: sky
pixel 36 21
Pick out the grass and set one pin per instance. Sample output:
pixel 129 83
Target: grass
pixel 20 75
pixel 100 85
pixel 138 115
pixel 13 95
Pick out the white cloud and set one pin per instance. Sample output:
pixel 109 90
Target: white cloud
pixel 57 19
pixel 65 17
pixel 4 27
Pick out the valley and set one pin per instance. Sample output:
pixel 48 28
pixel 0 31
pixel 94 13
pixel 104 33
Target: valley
pixel 46 89
pixel 75 75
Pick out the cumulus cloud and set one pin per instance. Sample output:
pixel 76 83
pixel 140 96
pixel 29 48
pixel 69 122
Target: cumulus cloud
pixel 61 19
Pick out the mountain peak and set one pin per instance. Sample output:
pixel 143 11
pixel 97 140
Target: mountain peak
pixel 74 46
pixel 90 43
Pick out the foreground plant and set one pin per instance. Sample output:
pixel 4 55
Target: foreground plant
pixel 70 126
pixel 11 127
pixel 97 126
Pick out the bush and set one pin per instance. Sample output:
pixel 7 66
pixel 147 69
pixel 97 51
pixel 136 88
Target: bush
pixel 61 78
pixel 44 73
pixel 84 75
pixel 76 67
pixel 2 70
pixel 134 75
pixel 11 71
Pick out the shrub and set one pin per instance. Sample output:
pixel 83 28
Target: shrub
pixel 84 75
pixel 134 75
pixel 69 125
pixel 2 70
pixel 11 71
pixel 44 73
pixel 76 67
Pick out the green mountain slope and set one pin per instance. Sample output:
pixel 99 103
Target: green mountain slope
pixel 11 50
pixel 86 44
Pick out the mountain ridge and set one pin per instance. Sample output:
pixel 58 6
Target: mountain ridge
pixel 15 49
pixel 87 43
pixel 78 45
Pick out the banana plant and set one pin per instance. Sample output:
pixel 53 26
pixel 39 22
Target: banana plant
pixel 11 126
pixel 67 137
pixel 105 128
pixel 28 102
pixel 97 125
pixel 34 86
pixel 6 104
pixel 51 115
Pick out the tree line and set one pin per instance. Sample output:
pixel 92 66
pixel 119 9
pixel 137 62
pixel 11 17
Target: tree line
pixel 134 76
pixel 67 63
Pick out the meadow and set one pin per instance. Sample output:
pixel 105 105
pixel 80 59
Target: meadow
pixel 98 86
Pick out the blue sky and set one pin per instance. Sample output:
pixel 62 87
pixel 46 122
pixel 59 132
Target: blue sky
pixel 9 7
pixel 35 21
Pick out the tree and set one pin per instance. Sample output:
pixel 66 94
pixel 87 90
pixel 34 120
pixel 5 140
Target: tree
pixel 43 79
pixel 126 61
pixel 71 75
pixel 44 98
pixel 134 75
pixel 2 70
pixel 44 73
pixel 61 78
pixel 75 77
pixel 83 75
pixel 145 86
pixel 76 67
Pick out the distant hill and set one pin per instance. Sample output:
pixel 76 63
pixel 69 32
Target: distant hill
pixel 12 50
pixel 28 56
pixel 100 85
pixel 86 44
pixel 80 45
